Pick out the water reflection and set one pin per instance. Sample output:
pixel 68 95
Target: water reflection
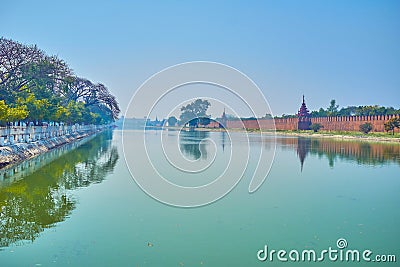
pixel 191 145
pixel 303 147
pixel 223 140
pixel 361 152
pixel 43 198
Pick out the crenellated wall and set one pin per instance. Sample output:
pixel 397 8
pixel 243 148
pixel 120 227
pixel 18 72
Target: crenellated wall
pixel 352 123
pixel 348 123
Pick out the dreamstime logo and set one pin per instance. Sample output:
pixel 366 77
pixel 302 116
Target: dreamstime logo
pixel 341 243
pixel 339 254
pixel 231 89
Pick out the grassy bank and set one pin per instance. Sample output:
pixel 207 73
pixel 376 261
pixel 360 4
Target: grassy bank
pixel 343 135
pixel 372 136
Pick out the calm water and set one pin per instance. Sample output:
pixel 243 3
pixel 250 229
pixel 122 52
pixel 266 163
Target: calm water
pixel 83 208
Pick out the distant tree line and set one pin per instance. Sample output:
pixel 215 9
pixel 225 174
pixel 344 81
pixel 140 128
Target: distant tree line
pixel 37 88
pixel 333 110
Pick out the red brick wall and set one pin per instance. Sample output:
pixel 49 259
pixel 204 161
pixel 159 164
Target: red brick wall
pixel 350 123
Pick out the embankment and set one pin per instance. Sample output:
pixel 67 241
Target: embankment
pixel 16 153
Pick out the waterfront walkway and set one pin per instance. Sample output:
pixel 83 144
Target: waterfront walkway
pixel 28 134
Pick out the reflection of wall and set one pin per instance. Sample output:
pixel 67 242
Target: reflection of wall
pixel 41 199
pixel 361 152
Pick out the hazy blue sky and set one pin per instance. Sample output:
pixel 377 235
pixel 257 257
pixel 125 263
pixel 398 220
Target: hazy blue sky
pixel 346 50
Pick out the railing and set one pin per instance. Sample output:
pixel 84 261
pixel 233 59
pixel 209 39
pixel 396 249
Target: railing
pixel 27 134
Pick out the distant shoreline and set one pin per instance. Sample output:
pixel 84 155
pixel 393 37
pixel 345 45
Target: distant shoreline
pixel 346 136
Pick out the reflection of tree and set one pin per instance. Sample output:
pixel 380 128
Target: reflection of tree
pixel 42 199
pixel 190 144
pixel 360 152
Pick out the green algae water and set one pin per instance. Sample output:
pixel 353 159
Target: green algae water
pixel 83 208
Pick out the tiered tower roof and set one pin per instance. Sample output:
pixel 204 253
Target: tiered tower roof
pixel 303 111
pixel 223 117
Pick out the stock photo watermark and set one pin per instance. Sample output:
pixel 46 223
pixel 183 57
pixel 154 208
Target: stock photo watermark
pixel 141 160
pixel 339 253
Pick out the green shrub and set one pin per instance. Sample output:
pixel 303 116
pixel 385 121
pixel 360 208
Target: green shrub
pixel 316 127
pixel 366 127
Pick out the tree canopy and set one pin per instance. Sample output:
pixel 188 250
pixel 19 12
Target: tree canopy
pixel 333 110
pixel 172 121
pixel 391 124
pixel 366 127
pixel 37 88
pixel 195 113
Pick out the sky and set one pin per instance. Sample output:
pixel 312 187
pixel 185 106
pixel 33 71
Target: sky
pixel 344 50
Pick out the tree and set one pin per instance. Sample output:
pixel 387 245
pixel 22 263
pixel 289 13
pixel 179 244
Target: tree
pixel 391 124
pixel 204 121
pixel 94 95
pixel 12 114
pixel 13 58
pixel 172 121
pixel 367 111
pixel 75 111
pixel 39 109
pixel 267 116
pixel 375 110
pixel 62 114
pixel 42 83
pixel 45 77
pixel 3 111
pixel 333 108
pixel 194 111
pixel 366 127
pixel 320 113
pixel 17 113
pixel 316 127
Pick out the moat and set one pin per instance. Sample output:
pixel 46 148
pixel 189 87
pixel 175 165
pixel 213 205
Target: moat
pixel 83 207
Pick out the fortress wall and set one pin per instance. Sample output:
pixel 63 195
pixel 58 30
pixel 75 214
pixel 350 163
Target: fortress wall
pixel 348 123
pixel 213 124
pixel 286 124
pixel 352 123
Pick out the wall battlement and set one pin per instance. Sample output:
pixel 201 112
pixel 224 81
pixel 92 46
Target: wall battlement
pixel 345 123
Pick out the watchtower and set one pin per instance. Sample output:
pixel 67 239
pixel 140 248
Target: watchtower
pixel 304 117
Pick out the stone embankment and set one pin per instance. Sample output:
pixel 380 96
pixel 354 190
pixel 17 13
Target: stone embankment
pixel 18 152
